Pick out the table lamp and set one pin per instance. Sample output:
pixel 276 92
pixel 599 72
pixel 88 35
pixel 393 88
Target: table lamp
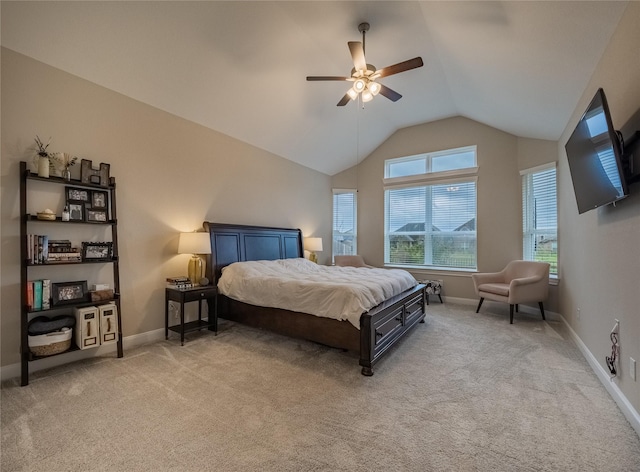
pixel 195 244
pixel 313 245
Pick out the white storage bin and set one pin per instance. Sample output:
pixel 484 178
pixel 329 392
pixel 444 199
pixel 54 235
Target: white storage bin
pixel 51 343
pixel 87 327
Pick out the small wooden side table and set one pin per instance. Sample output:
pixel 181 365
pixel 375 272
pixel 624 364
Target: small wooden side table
pixel 182 296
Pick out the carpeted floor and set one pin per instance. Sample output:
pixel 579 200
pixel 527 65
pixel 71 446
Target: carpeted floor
pixel 464 392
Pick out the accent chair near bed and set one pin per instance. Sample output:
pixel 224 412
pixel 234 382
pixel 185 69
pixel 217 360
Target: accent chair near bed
pixel 519 282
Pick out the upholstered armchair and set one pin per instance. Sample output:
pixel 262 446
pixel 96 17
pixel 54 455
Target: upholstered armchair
pixel 350 261
pixel 519 282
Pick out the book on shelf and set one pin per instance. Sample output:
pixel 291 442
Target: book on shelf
pixel 30 294
pixel 75 256
pixel 46 294
pixel 37 295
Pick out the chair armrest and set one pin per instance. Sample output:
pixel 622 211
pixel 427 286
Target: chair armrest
pixel 529 289
pixel 487 278
pixel 525 280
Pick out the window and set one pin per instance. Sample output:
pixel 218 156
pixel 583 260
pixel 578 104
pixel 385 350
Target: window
pixel 344 223
pixel 430 210
pixel 540 216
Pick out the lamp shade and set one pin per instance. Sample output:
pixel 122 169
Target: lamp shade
pixel 194 243
pixel 313 244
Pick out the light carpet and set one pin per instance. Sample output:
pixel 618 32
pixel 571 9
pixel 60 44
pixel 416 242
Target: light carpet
pixel 463 392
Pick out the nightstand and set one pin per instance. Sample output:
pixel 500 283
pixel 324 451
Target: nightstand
pixel 182 296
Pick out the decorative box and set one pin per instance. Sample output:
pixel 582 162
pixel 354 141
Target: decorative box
pixel 108 323
pixel 87 327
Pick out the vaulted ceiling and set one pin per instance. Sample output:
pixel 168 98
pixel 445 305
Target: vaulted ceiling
pixel 240 67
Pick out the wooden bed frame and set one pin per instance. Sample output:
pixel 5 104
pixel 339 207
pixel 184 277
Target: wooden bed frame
pixel 380 328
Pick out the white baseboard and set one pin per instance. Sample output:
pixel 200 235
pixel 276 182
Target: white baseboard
pixel 623 403
pixel 13 370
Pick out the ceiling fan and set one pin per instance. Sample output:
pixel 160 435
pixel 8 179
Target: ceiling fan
pixel 364 75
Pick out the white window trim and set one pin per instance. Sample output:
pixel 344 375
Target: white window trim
pixel 354 191
pixel 540 168
pixel 553 278
pixel 433 178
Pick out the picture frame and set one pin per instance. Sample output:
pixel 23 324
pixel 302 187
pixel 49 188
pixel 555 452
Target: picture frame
pixel 77 194
pixel 65 293
pixel 76 210
pixel 96 216
pixel 99 199
pixel 101 251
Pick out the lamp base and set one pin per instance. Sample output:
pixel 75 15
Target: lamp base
pixel 313 257
pixel 195 271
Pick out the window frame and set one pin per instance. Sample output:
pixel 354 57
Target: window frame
pixel 354 232
pixel 529 231
pixel 428 179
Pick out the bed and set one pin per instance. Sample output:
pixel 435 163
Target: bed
pixel 380 328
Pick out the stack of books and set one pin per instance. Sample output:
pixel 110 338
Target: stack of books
pixel 39 294
pixel 61 250
pixel 180 282
pixel 37 248
pixel 42 250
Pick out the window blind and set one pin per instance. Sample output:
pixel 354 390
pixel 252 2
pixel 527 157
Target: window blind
pixel 431 225
pixel 344 223
pixel 540 217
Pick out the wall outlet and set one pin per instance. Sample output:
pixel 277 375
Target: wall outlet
pixel 632 368
pixel 578 313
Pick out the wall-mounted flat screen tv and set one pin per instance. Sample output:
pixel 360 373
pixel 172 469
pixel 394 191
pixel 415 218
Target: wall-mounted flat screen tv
pixel 595 158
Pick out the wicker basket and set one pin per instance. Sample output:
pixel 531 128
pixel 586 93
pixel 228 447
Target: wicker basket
pixel 51 343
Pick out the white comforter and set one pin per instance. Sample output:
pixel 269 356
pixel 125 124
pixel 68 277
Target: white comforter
pixel 342 293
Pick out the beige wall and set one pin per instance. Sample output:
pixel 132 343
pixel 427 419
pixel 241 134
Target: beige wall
pixel 171 176
pixel 500 158
pixel 600 249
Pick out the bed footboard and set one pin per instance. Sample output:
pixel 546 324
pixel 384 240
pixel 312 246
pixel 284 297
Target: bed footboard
pixel 383 326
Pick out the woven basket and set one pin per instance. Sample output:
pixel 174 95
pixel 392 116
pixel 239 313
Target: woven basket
pixel 50 344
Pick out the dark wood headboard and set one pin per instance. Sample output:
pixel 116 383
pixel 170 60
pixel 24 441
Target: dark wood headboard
pixel 235 243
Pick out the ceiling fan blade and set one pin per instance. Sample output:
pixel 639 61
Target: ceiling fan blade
pixel 346 99
pixel 328 77
pixel 400 67
pixel 357 54
pixel 390 94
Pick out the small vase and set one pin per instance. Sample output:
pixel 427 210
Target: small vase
pixel 43 167
pixel 66 174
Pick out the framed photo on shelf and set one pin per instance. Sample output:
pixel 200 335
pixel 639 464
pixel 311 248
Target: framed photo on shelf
pixel 99 199
pixel 76 210
pixel 97 251
pixel 77 194
pixel 69 292
pixel 96 216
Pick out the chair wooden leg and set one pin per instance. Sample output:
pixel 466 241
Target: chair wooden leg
pixel 517 308
pixel 510 314
pixel 479 305
pixel 542 310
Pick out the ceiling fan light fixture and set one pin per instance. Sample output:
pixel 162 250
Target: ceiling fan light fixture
pixel 352 94
pixel 367 96
pixel 359 85
pixel 374 88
